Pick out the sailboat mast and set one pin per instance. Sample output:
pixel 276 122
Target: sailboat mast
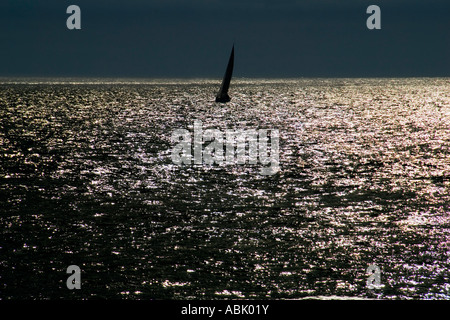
pixel 222 96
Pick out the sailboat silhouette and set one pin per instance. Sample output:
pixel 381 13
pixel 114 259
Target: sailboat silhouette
pixel 222 95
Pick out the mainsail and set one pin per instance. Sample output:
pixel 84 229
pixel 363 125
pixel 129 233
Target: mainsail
pixel 222 96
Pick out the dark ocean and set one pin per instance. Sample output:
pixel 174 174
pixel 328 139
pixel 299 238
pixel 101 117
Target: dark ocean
pixel 87 179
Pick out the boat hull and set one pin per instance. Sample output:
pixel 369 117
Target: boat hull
pixel 223 98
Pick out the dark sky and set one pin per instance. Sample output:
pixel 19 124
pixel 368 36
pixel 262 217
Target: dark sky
pixel 193 38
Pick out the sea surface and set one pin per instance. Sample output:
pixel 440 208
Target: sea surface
pixel 87 179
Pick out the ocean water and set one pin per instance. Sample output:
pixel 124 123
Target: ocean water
pixel 87 179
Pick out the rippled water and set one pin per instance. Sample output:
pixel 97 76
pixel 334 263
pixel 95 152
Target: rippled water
pixel 87 179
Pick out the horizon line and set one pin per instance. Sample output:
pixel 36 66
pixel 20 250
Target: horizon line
pixel 2 78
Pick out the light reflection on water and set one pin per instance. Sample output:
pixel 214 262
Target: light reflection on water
pixel 87 179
